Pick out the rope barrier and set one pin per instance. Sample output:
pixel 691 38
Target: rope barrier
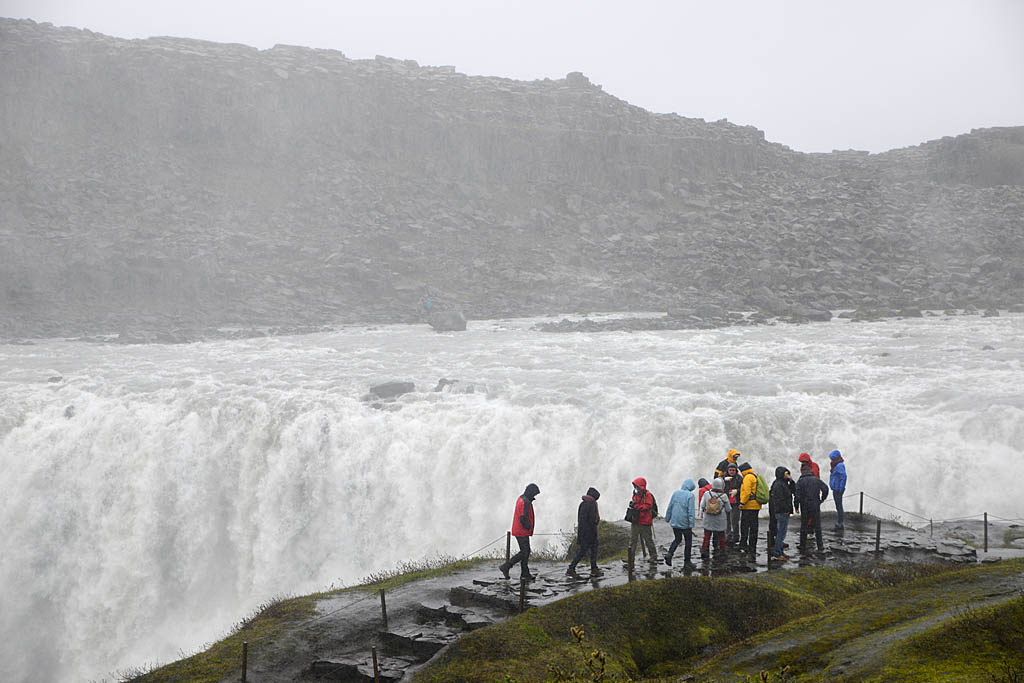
pixel 907 512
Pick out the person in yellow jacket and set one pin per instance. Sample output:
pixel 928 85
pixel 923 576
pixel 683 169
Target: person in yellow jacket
pixel 749 509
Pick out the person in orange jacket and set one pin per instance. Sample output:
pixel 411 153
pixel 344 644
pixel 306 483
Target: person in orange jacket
pixel 642 505
pixel 522 529
pixel 730 457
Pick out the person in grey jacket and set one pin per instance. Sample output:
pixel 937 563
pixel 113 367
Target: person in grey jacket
pixel 716 517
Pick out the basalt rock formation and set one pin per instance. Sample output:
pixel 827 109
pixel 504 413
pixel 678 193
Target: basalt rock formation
pixel 171 183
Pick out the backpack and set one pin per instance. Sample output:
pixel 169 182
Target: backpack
pixel 714 506
pixel 762 493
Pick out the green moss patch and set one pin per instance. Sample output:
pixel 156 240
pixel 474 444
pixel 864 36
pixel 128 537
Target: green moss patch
pixel 647 629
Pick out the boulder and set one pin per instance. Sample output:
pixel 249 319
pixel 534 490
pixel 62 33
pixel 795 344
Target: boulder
pixel 447 321
pixel 390 390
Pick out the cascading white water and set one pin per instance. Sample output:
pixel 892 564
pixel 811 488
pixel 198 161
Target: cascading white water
pixel 157 494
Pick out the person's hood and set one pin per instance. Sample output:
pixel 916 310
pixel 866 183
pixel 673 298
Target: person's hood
pixel 732 455
pixel 593 493
pixel 718 486
pixel 689 485
pixel 745 467
pixel 702 482
pixel 640 483
pixel 531 492
pixel 835 455
pixel 805 457
pixel 781 472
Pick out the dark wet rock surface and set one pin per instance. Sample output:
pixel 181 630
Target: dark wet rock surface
pixel 426 616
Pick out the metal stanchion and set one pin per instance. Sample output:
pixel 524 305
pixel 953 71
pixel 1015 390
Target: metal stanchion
pixel 383 609
pixel 376 669
pixel 245 659
pixel 861 513
pixel 986 532
pixel 522 595
pixel 508 547
pixel 878 536
pixel 629 568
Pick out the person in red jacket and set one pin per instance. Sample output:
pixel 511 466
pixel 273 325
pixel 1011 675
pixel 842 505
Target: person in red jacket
pixel 806 458
pixel 642 505
pixel 703 486
pixel 522 529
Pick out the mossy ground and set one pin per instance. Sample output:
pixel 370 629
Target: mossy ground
pixel 732 629
pixel 222 658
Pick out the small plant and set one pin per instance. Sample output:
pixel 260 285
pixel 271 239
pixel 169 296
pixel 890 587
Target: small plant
pixel 594 662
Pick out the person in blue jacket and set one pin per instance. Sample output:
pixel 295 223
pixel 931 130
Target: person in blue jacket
pixel 681 516
pixel 837 482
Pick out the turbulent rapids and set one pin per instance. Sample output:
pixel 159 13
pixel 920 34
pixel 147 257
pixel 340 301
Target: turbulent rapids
pixel 154 495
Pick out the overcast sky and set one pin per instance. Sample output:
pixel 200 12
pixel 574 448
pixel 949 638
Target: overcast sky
pixel 815 75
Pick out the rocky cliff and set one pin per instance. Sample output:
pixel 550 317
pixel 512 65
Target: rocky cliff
pixel 169 183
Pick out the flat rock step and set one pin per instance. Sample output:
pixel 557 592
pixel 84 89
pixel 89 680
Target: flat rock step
pixel 353 671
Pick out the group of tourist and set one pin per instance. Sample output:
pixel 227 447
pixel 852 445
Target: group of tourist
pixel 729 506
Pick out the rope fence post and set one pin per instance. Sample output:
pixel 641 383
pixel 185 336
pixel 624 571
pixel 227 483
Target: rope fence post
pixel 245 659
pixel 383 609
pixel 986 532
pixel 878 536
pixel 861 513
pixel 629 563
pixel 376 669
pixel 508 547
pixel 522 595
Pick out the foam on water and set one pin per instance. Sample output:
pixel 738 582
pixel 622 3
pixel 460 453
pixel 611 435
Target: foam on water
pixel 193 482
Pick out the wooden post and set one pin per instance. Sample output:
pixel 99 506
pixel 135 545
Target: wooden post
pixel 376 669
pixel 771 542
pixel 383 609
pixel 861 513
pixel 629 560
pixel 986 532
pixel 245 659
pixel 878 536
pixel 522 595
pixel 508 547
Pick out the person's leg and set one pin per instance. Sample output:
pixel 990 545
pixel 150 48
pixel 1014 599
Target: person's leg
pixel 805 521
pixel 734 524
pixel 524 554
pixel 721 541
pixel 593 556
pixel 678 533
pixel 579 556
pixel 688 533
pixel 838 496
pixel 755 526
pixel 817 533
pixel 744 524
pixel 647 538
pixel 704 546
pixel 781 524
pixel 634 536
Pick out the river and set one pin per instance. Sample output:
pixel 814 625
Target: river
pixel 154 495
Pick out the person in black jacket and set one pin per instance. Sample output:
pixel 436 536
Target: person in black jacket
pixel 780 507
pixel 587 518
pixel 811 492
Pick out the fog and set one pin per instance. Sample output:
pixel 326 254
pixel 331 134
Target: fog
pixel 815 76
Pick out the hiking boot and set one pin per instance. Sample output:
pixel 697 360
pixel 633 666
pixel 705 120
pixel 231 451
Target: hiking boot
pixel 689 565
pixel 504 570
pixel 668 559
pixel 596 571
pixel 527 577
pixel 571 571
